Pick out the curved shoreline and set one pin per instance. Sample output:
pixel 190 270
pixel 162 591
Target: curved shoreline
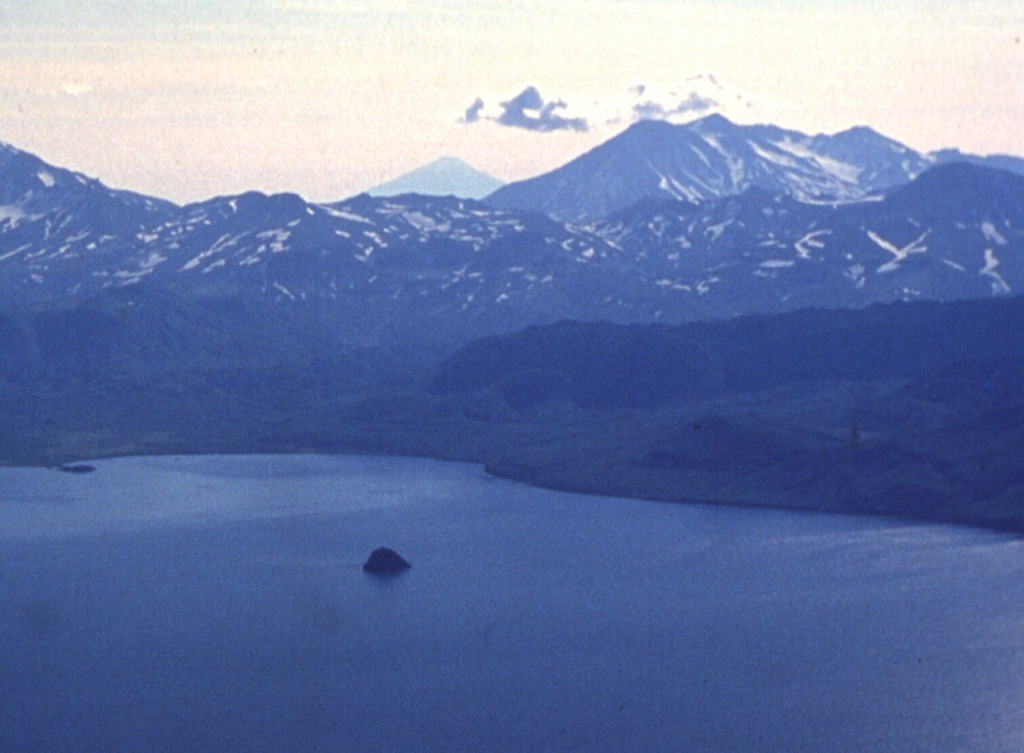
pixel 1006 525
pixel 1013 527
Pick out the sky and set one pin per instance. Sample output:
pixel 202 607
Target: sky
pixel 326 98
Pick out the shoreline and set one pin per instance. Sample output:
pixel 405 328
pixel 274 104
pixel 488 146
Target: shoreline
pixel 1010 528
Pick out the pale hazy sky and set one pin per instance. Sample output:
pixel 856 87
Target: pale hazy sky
pixel 186 100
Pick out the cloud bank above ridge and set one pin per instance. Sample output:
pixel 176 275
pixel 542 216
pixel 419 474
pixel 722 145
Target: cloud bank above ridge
pixel 529 110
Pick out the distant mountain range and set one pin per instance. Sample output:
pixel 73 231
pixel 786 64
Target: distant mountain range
pixel 712 158
pixel 954 232
pixel 751 240
pixel 448 176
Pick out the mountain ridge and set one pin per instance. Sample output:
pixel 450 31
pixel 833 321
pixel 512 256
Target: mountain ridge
pixel 712 157
pixel 381 266
pixel 449 269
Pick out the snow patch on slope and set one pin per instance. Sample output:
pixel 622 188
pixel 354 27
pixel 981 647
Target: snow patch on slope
pixel 999 285
pixel 991 234
pixel 11 214
pixel 899 254
pixel 343 215
pixel 734 163
pixel 845 172
pixel 808 242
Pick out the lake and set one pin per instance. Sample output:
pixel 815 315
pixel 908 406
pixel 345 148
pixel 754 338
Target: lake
pixel 217 604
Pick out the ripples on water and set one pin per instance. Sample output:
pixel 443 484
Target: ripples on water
pixel 217 604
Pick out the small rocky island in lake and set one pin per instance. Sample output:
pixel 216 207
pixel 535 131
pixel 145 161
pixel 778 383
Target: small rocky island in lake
pixel 385 561
pixel 76 468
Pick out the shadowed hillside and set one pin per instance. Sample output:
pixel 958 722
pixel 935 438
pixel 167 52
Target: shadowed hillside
pixel 607 366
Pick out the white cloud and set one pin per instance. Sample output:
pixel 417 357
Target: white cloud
pixel 76 89
pixel 681 101
pixel 529 111
pixel 691 97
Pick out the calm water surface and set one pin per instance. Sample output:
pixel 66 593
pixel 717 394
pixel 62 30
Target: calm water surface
pixel 216 604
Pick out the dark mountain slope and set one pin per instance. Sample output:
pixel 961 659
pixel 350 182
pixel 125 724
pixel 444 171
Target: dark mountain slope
pixel 606 366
